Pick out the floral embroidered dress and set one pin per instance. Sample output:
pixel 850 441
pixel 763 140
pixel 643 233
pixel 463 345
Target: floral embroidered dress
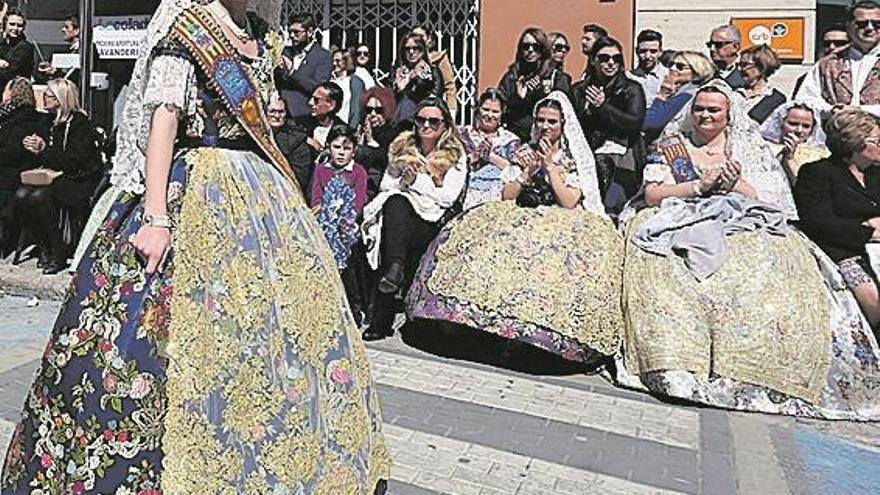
pixel 774 329
pixel 484 180
pixel 238 367
pixel 547 276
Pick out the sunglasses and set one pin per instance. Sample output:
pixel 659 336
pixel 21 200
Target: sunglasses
pixel 604 58
pixel 412 48
pixel 526 46
pixel 680 66
pixel 834 43
pixel 861 25
pixel 432 122
pixel 717 44
pixel 372 109
pixel 560 48
pixel 363 53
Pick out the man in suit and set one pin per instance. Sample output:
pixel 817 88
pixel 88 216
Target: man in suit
pixel 16 52
pixel 46 71
pixel 724 45
pixel 304 65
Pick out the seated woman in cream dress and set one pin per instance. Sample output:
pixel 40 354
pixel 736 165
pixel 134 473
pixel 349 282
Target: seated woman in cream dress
pixel 742 311
pixel 543 267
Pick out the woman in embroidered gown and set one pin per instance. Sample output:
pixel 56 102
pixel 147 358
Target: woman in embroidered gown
pixel 548 275
pixel 489 149
pixel 742 311
pixel 231 364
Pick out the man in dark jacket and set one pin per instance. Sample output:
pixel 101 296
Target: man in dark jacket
pixel 304 65
pixel 291 141
pixel 724 45
pixel 16 52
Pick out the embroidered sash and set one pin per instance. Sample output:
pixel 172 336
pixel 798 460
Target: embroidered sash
pixel 230 78
pixel 837 81
pixel 679 160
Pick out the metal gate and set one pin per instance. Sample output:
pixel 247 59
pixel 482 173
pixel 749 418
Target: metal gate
pixel 382 23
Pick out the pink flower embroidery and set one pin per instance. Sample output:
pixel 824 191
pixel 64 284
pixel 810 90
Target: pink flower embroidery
pixel 110 382
pixel 101 280
pixel 140 387
pixel 108 435
pixel 79 488
pixel 105 345
pixel 46 461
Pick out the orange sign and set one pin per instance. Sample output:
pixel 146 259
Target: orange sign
pixel 785 35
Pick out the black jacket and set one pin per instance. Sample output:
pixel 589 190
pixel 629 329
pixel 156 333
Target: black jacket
pixel 375 159
pixel 765 107
pixel 291 141
pixel 518 116
pixel 20 55
pixel 735 78
pixel 832 205
pixel 14 158
pixel 296 86
pixel 417 90
pixel 73 149
pixel 619 119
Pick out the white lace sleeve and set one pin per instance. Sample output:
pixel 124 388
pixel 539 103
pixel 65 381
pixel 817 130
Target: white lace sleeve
pixel 172 82
pixel 658 173
pixel 510 173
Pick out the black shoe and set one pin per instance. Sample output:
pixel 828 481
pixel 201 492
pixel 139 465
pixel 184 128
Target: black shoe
pixel 371 334
pixel 53 267
pixel 392 280
pixel 43 261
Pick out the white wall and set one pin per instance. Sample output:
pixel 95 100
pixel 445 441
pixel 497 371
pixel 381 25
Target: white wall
pixel 686 24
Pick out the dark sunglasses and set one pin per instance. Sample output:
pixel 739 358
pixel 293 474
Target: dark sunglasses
pixel 834 43
pixel 604 58
pixel 526 46
pixel 363 53
pixel 432 122
pixel 718 44
pixel 679 66
pixel 412 48
pixel 560 48
pixel 375 110
pixel 874 23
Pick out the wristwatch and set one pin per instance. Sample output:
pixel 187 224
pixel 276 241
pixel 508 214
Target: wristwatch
pixel 156 220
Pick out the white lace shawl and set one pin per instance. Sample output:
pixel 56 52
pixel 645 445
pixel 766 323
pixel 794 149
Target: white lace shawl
pixel 145 88
pixel 745 145
pixel 577 145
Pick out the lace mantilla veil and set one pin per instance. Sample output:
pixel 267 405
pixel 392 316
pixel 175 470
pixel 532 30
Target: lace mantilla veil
pixel 131 140
pixel 574 139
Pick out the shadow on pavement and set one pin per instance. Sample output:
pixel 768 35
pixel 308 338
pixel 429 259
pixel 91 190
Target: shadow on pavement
pixel 459 342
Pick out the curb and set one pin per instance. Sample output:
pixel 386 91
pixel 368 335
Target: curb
pixel 27 280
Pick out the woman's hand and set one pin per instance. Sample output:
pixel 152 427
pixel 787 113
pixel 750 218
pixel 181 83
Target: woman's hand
pixel 152 243
pixel 730 174
pixel 709 180
pixel 595 96
pixel 34 143
pixel 401 79
pixel 790 143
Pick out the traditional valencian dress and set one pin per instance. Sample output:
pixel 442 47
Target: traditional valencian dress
pixel 548 276
pixel 484 180
pixel 235 369
pixel 728 305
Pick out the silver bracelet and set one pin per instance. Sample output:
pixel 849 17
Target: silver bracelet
pixel 156 220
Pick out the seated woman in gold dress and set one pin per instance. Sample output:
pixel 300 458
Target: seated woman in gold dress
pixel 728 305
pixel 544 266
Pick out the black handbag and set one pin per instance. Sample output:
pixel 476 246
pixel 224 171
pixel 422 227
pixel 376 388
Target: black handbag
pixel 538 193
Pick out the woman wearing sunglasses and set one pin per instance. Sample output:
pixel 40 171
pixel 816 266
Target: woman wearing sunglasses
pixel 611 110
pixel 527 80
pixel 421 190
pixel 687 71
pixel 559 49
pixel 361 55
pixel 542 267
pixel 375 135
pixel 415 78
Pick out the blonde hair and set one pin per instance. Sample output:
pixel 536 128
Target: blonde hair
pixel 846 131
pixel 701 66
pixel 67 95
pixel 764 58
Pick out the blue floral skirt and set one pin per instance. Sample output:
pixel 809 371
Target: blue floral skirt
pixel 236 369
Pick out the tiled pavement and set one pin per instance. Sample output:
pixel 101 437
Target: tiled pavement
pixel 463 420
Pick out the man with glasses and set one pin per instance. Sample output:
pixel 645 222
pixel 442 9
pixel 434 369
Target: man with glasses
pixel 291 141
pixel 724 45
pixel 849 77
pixel 650 72
pixel 304 65
pixel 16 52
pixel 834 39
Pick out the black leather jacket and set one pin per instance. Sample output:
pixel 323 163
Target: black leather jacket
pixel 619 119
